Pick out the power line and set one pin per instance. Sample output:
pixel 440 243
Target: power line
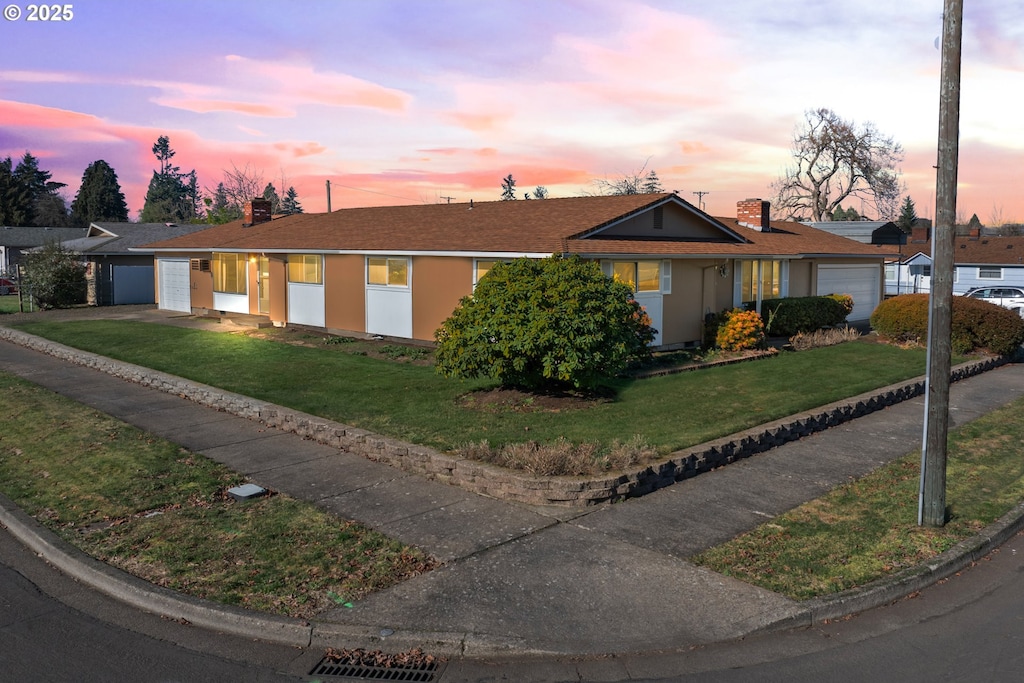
pixel 700 198
pixel 385 194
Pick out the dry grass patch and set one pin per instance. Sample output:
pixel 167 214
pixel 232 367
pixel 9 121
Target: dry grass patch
pixel 818 338
pixel 562 457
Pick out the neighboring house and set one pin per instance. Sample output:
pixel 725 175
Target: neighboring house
pixel 866 232
pixel 979 261
pixel 400 271
pixel 14 242
pixel 117 270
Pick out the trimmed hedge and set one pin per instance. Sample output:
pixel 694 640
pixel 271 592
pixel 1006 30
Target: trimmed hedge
pixel 976 324
pixel 786 317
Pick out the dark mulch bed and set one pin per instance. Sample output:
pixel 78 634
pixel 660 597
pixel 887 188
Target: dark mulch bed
pixel 501 400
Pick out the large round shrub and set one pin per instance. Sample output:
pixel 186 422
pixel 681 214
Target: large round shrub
pixel 537 323
pixel 976 324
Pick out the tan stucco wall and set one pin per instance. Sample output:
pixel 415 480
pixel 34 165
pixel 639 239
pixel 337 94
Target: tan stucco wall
pixel 438 284
pixel 200 281
pixel 800 280
pixel 345 292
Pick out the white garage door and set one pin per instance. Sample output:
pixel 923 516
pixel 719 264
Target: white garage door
pixel 175 288
pixel 860 282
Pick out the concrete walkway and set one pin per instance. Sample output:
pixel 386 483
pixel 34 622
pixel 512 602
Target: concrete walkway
pixel 608 579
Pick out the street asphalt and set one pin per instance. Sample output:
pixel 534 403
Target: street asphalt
pixel 518 579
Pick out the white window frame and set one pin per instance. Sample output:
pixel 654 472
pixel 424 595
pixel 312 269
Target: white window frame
pixel 388 285
pixel 991 269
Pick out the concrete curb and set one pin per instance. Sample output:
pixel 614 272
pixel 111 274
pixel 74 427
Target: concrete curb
pixel 185 609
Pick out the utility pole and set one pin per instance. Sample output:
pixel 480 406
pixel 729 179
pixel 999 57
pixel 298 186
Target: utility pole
pixel 449 199
pixel 700 198
pixel 328 196
pixel 932 496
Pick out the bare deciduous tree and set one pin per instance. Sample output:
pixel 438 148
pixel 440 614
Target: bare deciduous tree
pixel 637 182
pixel 835 160
pixel 240 185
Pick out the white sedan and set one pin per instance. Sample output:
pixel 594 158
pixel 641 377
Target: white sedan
pixel 1007 297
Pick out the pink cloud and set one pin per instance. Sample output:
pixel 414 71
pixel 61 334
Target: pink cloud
pixel 478 123
pixel 304 150
pixel 207 106
pixel 692 147
pixel 36 116
pixel 302 83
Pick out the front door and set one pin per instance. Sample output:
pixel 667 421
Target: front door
pixel 263 284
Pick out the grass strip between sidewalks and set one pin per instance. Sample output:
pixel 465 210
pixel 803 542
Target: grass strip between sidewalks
pixel 413 403
pixel 160 512
pixel 866 529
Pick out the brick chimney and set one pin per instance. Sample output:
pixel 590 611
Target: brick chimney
pixel 256 211
pixel 754 213
pixel 919 233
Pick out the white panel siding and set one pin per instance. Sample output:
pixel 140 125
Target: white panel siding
pixel 306 304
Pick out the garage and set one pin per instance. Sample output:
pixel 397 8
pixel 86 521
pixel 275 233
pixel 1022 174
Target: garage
pixel 132 284
pixel 862 282
pixel 175 287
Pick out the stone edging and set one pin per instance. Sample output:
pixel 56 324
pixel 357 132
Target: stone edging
pixel 495 481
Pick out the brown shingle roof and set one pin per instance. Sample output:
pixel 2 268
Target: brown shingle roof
pixel 995 251
pixel 536 226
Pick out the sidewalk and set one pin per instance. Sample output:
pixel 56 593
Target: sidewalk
pixel 516 578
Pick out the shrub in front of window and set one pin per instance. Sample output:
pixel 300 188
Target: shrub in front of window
pixel 544 324
pixel 975 324
pixel 55 276
pixel 786 317
pixel 742 330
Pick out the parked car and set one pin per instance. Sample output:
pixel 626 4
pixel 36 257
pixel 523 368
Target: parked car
pixel 8 287
pixel 1007 297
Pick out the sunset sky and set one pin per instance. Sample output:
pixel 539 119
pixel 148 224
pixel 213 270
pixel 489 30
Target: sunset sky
pixel 415 101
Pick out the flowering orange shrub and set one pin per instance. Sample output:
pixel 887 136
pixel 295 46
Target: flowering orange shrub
pixel 741 330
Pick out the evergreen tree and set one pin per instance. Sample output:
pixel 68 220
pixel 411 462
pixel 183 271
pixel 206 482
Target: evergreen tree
pixel 508 188
pixel 651 184
pixel 172 196
pixel 270 194
pixel 28 196
pixel 15 201
pixel 51 210
pixel 908 215
pixel 290 204
pixel 974 223
pixel 99 198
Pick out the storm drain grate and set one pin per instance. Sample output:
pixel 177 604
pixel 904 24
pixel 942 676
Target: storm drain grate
pixel 355 666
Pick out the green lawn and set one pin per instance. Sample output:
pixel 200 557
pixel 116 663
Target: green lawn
pixel 162 513
pixel 9 304
pixel 413 403
pixel 868 528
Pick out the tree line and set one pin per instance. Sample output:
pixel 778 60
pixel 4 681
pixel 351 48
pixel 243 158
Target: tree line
pixel 28 196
